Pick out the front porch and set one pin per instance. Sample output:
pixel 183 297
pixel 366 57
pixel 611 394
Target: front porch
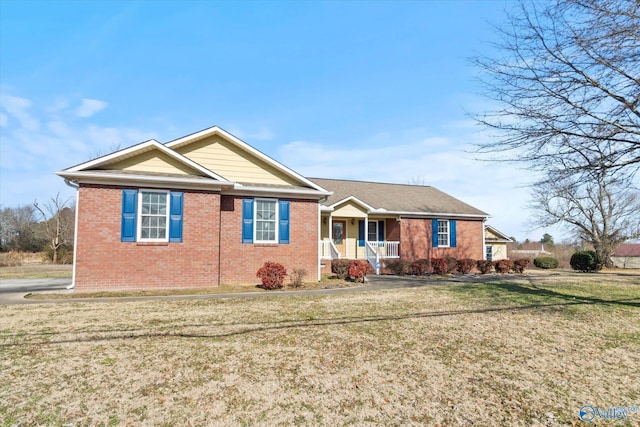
pixel 359 237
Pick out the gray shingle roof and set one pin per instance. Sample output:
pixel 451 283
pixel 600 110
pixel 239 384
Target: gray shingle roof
pixel 416 199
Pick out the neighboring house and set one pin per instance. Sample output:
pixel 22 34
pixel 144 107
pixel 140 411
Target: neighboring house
pixel 208 209
pixel 627 255
pixel 495 244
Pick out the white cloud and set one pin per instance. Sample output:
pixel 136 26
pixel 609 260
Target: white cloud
pixel 4 120
pixel 18 107
pixel 89 107
pixel 496 188
pixel 30 154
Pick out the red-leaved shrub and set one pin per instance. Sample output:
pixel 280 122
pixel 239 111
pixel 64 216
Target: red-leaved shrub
pixel 439 265
pixel 520 264
pixel 464 266
pixel 272 275
pixel 484 266
pixel 420 267
pixel 503 266
pixel 358 269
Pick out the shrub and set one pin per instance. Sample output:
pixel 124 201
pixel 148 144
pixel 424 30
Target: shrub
pixel 484 266
pixel 546 262
pixel 585 261
pixel 520 265
pixel 297 277
pixel 464 266
pixel 503 266
pixel 272 275
pixel 452 264
pixel 65 254
pixel 358 270
pixel 340 267
pixel 439 265
pixel 420 267
pixel 399 267
pixel 10 259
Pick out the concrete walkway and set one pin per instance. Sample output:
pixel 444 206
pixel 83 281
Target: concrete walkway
pixel 14 291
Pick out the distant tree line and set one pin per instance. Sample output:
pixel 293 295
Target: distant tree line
pixel 40 227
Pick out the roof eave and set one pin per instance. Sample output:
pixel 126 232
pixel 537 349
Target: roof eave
pixel 96 177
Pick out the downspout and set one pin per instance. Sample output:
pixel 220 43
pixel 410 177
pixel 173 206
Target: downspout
pixel 484 243
pixel 75 232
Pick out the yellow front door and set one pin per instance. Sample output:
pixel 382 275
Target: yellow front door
pixel 340 236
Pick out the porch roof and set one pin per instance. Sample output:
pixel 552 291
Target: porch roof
pixel 397 198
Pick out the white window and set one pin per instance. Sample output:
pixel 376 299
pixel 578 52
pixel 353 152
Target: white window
pixel 372 234
pixel 266 221
pixel 489 253
pixel 443 233
pixel 153 216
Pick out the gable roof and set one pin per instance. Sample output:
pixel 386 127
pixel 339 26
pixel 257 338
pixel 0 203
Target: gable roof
pixel 628 249
pixel 497 235
pixel 153 163
pixel 251 151
pixel 397 198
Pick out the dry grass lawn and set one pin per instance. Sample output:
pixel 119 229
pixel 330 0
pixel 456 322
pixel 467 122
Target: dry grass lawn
pixel 513 351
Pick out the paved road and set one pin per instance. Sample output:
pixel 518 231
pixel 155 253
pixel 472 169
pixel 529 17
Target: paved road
pixel 12 291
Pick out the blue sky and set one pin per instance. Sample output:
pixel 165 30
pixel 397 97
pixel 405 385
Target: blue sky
pixel 341 89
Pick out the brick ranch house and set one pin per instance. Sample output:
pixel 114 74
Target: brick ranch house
pixel 208 209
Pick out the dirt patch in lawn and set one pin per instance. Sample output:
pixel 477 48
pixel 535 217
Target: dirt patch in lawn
pixel 512 351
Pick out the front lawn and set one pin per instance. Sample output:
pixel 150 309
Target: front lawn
pixel 526 350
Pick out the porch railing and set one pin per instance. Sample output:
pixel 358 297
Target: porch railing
pixel 328 250
pixel 372 256
pixel 386 249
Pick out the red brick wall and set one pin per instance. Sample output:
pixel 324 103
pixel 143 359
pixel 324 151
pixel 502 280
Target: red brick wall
pixel 240 262
pixel 415 240
pixel 104 262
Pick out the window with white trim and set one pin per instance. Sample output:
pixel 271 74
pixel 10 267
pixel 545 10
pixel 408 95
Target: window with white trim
pixel 372 233
pixel 266 221
pixel 443 233
pixel 153 211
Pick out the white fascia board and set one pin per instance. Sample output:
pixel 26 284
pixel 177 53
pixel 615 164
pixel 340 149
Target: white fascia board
pixel 243 145
pixel 436 215
pixel 143 147
pixel 96 177
pixel 370 209
pixel 111 156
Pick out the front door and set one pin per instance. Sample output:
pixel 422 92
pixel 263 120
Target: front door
pixel 340 236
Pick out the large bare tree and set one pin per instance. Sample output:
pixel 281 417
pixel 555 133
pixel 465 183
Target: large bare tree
pixel 566 83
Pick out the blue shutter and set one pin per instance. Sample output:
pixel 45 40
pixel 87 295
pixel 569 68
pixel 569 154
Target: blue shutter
pixel 361 233
pixel 434 233
pixel 175 216
pixel 452 233
pixel 129 207
pixel 381 231
pixel 247 220
pixel 283 227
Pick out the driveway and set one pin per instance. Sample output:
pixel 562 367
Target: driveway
pixel 12 291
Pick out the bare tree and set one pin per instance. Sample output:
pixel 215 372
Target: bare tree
pixel 602 211
pixel 567 82
pixel 59 222
pixel 18 229
pixel 567 86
